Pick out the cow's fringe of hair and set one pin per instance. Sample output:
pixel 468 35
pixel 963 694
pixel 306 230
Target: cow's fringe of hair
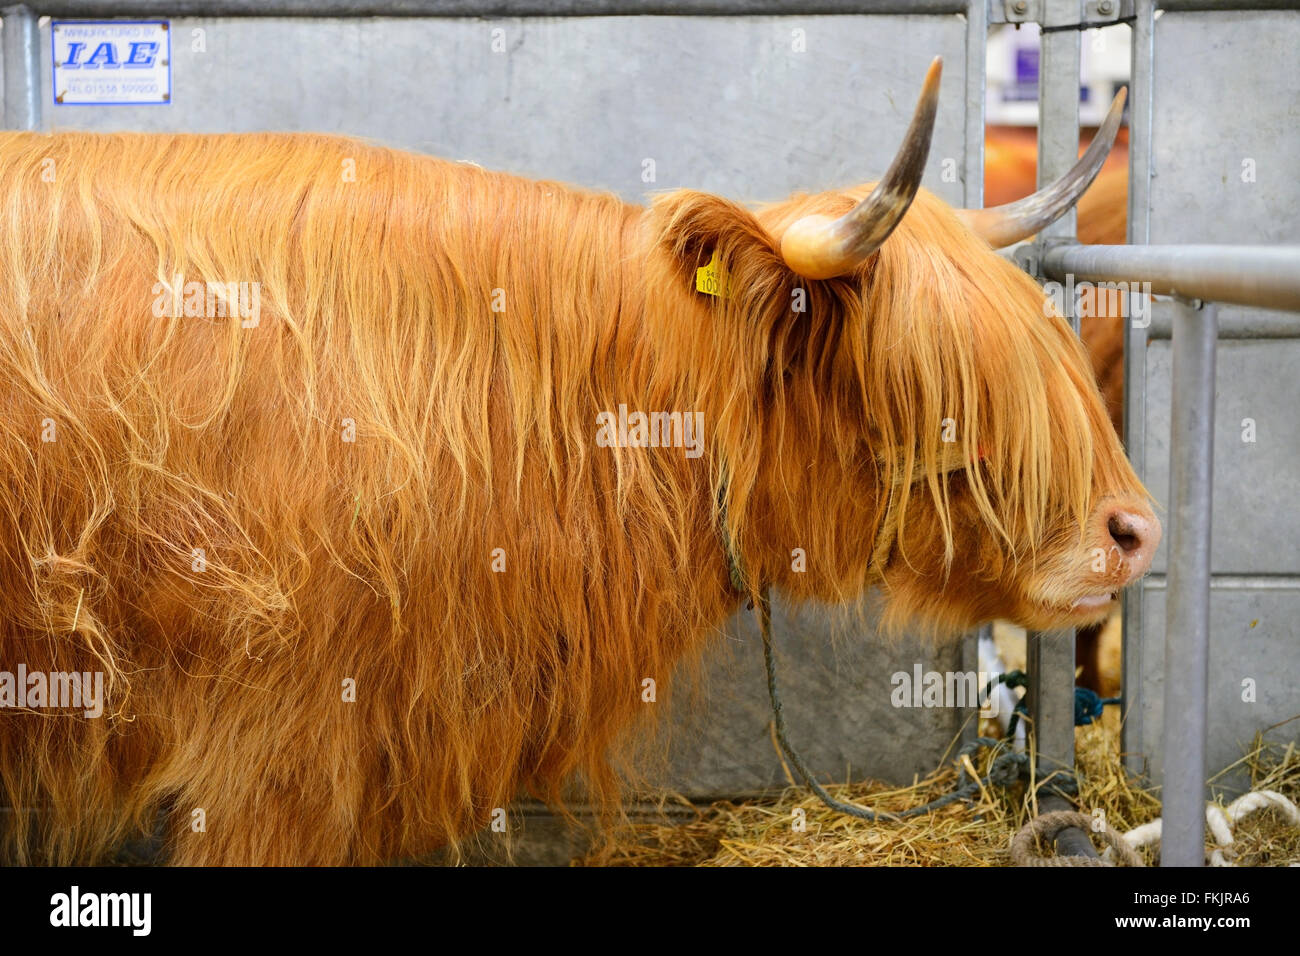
pixel 204 531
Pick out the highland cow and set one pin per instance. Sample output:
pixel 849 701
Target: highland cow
pixel 359 573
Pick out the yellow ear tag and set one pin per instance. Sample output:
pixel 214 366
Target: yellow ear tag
pixel 713 279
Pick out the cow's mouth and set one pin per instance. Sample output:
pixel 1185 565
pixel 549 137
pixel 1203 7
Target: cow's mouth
pixel 1092 603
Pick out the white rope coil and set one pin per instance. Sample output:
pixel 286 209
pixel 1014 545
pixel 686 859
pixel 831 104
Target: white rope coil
pixel 1220 823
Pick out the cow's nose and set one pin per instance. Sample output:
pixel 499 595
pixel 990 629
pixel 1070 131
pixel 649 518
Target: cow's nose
pixel 1137 535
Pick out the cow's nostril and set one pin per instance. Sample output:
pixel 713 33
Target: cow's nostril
pixel 1126 531
pixel 1135 531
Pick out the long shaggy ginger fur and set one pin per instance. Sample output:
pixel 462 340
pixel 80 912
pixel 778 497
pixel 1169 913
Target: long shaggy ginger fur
pixel 203 533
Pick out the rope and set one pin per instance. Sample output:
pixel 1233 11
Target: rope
pixel 1046 826
pixel 1088 705
pixel 1219 822
pixel 1005 770
pixel 1124 847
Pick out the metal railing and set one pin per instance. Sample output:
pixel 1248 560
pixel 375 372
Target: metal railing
pixel 487 8
pixel 1263 276
pixel 1198 276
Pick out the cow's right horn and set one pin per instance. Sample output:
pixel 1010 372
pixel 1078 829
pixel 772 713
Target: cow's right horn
pixel 818 247
pixel 1003 225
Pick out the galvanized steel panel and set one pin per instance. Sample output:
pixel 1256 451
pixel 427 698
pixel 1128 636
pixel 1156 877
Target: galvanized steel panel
pixel 836 687
pixel 1256 524
pixel 720 104
pixel 1254 634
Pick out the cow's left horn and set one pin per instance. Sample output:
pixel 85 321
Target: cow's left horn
pixel 818 247
pixel 1003 225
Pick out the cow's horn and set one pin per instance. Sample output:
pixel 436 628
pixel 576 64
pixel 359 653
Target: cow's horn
pixel 818 247
pixel 1003 225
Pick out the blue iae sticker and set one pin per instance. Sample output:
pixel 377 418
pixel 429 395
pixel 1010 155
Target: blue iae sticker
pixel 111 63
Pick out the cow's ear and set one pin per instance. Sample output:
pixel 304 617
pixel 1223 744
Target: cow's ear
pixel 719 254
pixel 716 247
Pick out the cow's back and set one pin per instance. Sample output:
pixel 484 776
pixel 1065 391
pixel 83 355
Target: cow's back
pixel 355 536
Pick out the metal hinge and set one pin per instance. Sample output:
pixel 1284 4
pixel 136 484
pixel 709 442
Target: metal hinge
pixel 1093 12
pixel 1023 11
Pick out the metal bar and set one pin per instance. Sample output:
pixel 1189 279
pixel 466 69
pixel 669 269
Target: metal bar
pixel 1050 656
pixel 1070 841
pixel 1058 106
pixel 970 663
pixel 1187 612
pixel 1266 276
pixel 1140 123
pixel 1049 660
pixel 1238 582
pixel 1184 6
pixel 1242 325
pixel 556 8
pixel 22 47
pixel 977 41
pixel 1141 119
pixel 1002 11
pixel 487 8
